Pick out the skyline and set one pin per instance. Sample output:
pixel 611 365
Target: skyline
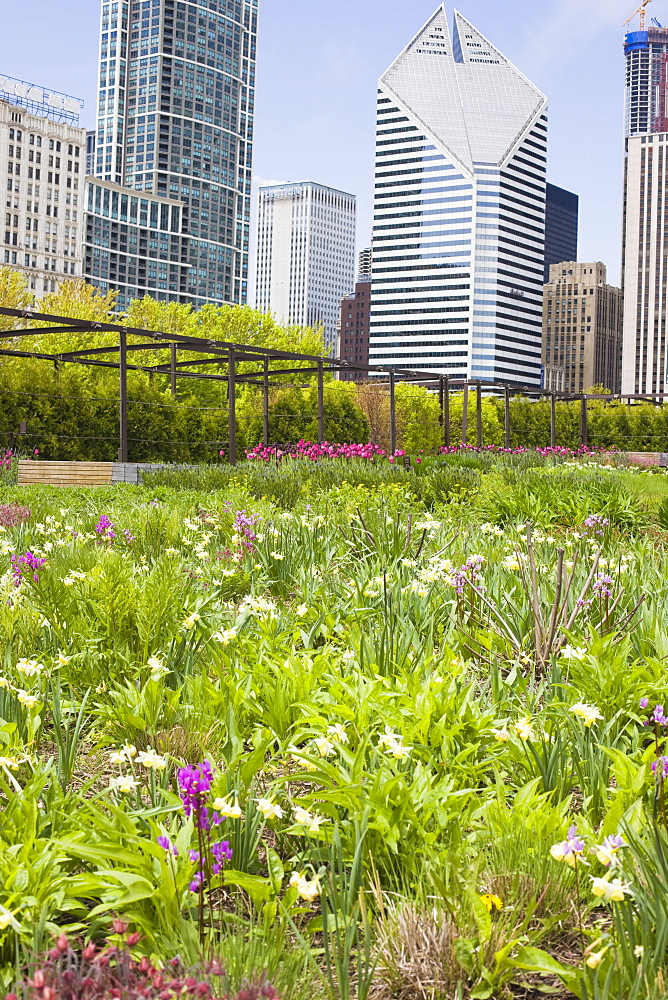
pixel 316 89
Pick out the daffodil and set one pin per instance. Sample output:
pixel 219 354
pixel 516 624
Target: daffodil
pixel 524 729
pixel 607 852
pixel 325 747
pixel 269 809
pixel 191 620
pixel 151 760
pixel 588 713
pixel 124 783
pixel 337 733
pixel 304 818
pixel 491 901
pixel 612 891
pixel 501 734
pixel 10 762
pixel 573 653
pixel 27 700
pixel 227 809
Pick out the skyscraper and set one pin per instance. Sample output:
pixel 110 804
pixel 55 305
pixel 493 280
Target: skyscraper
pixel 645 240
pixel 42 157
pixel 582 327
pixel 561 227
pixel 175 118
pixel 305 254
pixel 459 234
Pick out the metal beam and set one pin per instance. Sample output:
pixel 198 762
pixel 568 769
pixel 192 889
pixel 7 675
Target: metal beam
pixel 123 398
pixel 265 404
pixel 393 417
pixel 321 405
pixel 232 408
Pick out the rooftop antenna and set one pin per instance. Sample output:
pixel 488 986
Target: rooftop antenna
pixel 639 10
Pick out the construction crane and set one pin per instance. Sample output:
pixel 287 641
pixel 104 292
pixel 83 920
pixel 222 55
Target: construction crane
pixel 639 10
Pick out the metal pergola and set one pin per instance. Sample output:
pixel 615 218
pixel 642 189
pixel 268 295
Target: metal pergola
pixel 229 355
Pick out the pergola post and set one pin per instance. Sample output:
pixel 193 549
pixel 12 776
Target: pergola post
pixel 393 417
pixel 265 404
pixel 478 414
pixel 123 396
pixel 321 404
pixel 553 420
pixel 446 411
pixel 506 415
pixel 465 413
pixel 232 407
pixel 172 369
pixel 584 426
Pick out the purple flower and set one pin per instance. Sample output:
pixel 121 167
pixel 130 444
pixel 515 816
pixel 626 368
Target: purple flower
pixel 105 529
pixel 659 717
pixel 197 882
pixel 167 845
pixel 574 844
pixel 24 566
pixel 194 785
pixel 660 767
pixel 221 852
pixel 644 702
pixel 603 585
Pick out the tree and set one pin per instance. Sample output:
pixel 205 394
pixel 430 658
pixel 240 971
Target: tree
pixel 418 416
pixel 14 294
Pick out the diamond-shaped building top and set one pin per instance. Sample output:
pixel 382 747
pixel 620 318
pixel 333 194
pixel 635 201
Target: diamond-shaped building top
pixel 467 94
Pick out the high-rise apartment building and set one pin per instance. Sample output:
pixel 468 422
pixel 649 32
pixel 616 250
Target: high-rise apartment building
pixel 562 211
pixel 175 119
pixel 645 239
pixel 42 163
pixel 459 233
pixel 582 327
pixel 305 254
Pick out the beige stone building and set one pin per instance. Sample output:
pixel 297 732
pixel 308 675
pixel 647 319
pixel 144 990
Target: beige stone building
pixel 582 326
pixel 42 164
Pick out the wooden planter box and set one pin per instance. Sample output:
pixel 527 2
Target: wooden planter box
pixel 65 473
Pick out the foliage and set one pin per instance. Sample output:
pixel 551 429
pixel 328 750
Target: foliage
pixel 338 726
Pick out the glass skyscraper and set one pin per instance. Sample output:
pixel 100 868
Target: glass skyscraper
pixel 562 213
pixel 175 118
pixel 645 245
pixel 459 232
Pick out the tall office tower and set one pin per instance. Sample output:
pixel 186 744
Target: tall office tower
pixel 582 327
pixel 562 212
pixel 305 254
pixel 364 267
pixel 42 158
pixel 645 240
pixel 175 118
pixel 459 234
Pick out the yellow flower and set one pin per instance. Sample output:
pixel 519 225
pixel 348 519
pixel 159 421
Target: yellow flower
pixel 10 762
pixel 501 734
pixel 62 659
pixel 228 811
pixel 27 700
pixel 524 729
pixel 7 919
pixel 612 892
pixel 124 783
pixel 491 901
pixel 304 818
pixel 595 958
pixel 29 668
pixel 191 620
pixel 588 713
pixel 309 890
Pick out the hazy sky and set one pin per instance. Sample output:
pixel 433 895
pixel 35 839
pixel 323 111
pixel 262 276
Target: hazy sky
pixel 318 65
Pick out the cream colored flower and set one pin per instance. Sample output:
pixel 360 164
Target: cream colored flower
pixel 302 610
pixel 501 734
pixel 29 668
pixel 124 783
pixel 588 713
pixel 612 891
pixel 191 620
pixel 225 636
pixel 325 747
pixel 338 733
pixel 27 700
pixel 226 809
pixel 269 809
pixel 524 729
pixel 573 653
pixel 10 762
pixel 151 760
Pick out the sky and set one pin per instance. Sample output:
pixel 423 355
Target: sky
pixel 318 66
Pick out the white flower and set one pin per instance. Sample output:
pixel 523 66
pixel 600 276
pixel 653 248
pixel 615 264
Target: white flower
pixel 573 653
pixel 308 890
pixel 10 762
pixel 151 760
pixel 171 552
pixel 396 749
pixel 338 733
pixel 27 700
pixel 278 556
pixel 512 562
pixel 124 783
pixel 225 636
pixel 524 729
pixel 7 919
pixel 611 891
pixel 388 738
pixel 325 747
pixel 501 734
pixel 29 668
pixel 348 655
pixel 302 610
pixel 191 620
pixel 588 713
pixel 228 811
pixel 269 809
pixel 62 659
pixel 304 818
